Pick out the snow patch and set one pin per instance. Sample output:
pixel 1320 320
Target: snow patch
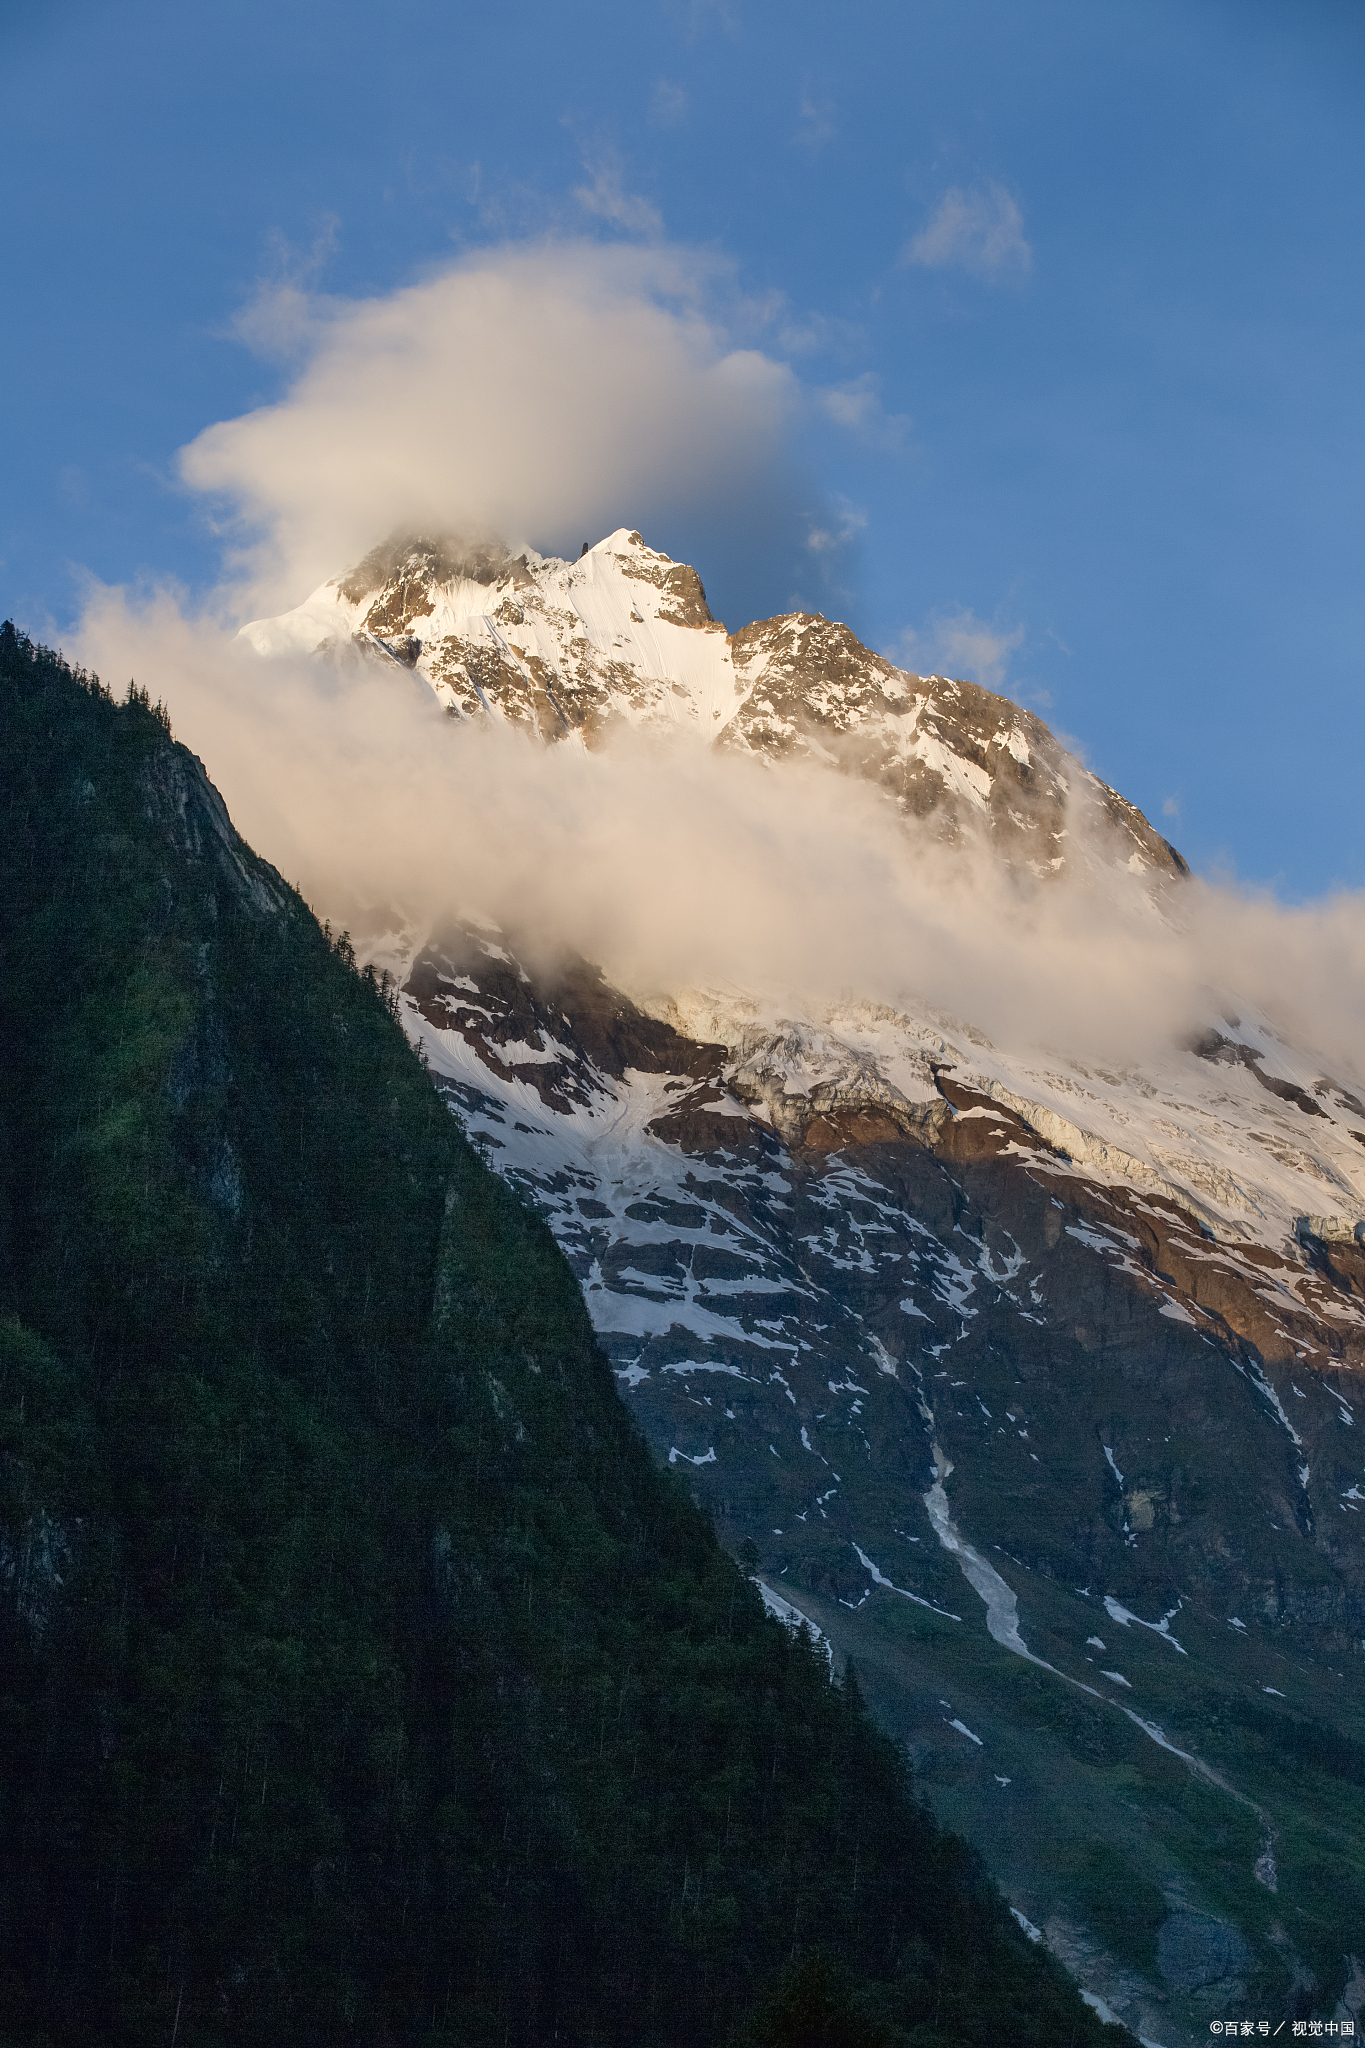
pixel 1104 2012
pixel 1124 1617
pixel 791 1617
pixel 880 1579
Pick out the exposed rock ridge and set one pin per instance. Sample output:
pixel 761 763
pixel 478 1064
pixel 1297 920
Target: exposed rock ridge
pixel 945 750
pixel 625 635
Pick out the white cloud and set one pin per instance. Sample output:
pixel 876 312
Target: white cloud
pixel 609 200
pixel 809 333
pixel 278 319
pixel 538 392
pixel 961 645
pixel 980 231
pixel 858 407
pixel 846 523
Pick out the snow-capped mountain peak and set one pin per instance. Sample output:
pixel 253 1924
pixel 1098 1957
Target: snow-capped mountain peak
pixel 624 634
pixel 560 647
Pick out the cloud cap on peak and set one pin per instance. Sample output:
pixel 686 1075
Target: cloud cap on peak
pixel 532 392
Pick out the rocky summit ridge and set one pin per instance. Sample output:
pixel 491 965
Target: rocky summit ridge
pixel 1035 1386
pixel 568 649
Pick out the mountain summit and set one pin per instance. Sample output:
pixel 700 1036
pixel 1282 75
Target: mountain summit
pixel 623 634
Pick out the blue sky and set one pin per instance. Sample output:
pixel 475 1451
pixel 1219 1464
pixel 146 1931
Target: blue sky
pixel 1072 297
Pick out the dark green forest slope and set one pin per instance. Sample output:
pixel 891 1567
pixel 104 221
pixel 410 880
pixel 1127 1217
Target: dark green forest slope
pixel 360 1677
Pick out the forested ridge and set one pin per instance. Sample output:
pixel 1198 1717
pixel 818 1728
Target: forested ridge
pixel 361 1678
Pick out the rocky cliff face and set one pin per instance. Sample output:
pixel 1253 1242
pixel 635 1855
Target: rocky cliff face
pixel 949 751
pixel 1036 1387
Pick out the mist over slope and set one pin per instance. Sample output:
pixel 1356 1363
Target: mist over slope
pixel 677 861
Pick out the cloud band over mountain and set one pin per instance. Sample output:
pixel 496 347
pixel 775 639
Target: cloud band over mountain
pixel 672 865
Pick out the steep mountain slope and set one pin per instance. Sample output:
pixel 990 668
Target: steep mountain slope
pixel 1035 1383
pixel 895 1340
pixel 361 1678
